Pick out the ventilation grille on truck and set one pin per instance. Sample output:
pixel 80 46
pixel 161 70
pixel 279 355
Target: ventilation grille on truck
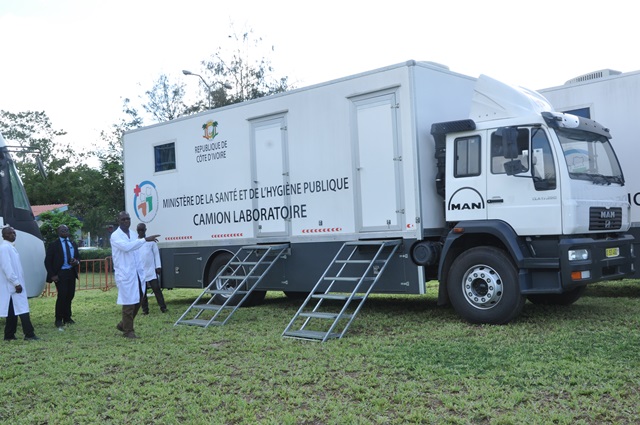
pixel 595 75
pixel 605 218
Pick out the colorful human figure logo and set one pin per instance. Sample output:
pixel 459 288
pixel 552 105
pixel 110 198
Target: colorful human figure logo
pixel 145 201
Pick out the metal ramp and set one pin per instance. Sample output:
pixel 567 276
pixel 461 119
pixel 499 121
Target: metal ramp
pixel 235 281
pixel 342 290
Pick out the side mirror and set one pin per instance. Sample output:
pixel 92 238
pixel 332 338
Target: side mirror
pixel 509 141
pixel 41 168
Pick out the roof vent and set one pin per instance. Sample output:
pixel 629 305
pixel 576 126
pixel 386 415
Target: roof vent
pixel 603 73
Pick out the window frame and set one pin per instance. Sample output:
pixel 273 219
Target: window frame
pixel 468 171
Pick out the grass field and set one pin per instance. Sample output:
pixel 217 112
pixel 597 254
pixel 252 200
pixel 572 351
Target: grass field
pixel 404 360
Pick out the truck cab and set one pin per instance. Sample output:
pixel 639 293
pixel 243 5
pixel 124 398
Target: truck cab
pixel 531 196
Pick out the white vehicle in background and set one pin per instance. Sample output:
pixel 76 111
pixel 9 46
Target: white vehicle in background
pixel 411 172
pixel 15 211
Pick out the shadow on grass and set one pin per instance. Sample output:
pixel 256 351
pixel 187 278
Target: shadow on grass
pixel 629 288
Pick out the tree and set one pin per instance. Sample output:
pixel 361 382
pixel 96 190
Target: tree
pixel 52 220
pixel 112 170
pixel 165 101
pixel 250 79
pixel 33 132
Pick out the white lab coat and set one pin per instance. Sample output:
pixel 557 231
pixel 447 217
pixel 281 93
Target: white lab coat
pixel 150 257
pixel 127 266
pixel 10 276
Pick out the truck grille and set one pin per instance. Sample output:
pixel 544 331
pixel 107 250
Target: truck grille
pixel 605 218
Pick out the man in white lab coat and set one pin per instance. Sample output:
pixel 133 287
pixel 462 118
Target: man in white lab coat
pixel 150 257
pixel 128 271
pixel 13 294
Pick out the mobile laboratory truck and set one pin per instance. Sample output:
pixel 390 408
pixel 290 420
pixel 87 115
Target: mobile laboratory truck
pixel 611 97
pixel 411 172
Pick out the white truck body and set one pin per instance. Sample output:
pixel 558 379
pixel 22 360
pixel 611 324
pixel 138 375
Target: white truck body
pixel 354 159
pixel 613 98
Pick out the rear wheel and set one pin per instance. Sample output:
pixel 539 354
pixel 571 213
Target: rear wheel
pixel 566 298
pixel 218 265
pixel 483 286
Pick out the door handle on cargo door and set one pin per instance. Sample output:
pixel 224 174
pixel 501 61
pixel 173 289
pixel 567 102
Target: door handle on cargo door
pixel 495 201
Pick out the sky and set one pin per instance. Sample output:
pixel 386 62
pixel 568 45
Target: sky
pixel 77 60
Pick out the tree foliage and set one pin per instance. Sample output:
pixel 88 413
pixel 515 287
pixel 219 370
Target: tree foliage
pixel 228 77
pixel 112 170
pixel 33 130
pixel 52 220
pixel 249 77
pixel 165 100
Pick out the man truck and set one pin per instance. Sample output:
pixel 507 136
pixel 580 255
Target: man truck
pixel 612 97
pixel 378 183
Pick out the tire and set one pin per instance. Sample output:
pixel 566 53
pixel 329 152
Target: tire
pixel 218 264
pixel 483 286
pixel 566 298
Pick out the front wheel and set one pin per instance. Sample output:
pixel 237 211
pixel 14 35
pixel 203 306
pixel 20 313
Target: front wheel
pixel 483 286
pixel 219 265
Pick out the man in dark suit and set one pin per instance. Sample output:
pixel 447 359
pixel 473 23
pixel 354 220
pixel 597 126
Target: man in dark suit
pixel 62 262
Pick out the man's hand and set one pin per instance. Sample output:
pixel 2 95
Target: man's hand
pixel 18 289
pixel 54 278
pixel 152 238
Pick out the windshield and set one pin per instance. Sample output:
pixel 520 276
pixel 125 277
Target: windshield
pixel 589 156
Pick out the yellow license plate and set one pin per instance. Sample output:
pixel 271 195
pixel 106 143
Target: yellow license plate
pixel 612 252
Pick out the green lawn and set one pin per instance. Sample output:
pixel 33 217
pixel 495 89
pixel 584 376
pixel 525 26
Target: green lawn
pixel 404 360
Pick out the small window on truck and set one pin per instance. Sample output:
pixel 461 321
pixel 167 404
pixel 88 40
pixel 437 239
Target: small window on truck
pixel 165 157
pixel 467 159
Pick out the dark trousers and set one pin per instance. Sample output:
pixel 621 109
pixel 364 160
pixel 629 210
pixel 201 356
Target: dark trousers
pixel 155 287
pixel 11 324
pixel 66 286
pixel 129 313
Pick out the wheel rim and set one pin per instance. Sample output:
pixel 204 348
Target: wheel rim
pixel 224 284
pixel 482 287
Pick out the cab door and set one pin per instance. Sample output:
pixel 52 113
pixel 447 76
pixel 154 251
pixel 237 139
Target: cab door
pixel 466 178
pixel 522 186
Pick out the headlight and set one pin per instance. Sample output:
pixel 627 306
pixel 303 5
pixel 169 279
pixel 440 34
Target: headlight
pixel 578 254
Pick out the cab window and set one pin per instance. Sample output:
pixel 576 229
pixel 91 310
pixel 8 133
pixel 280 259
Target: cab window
pixel 467 159
pixel 498 159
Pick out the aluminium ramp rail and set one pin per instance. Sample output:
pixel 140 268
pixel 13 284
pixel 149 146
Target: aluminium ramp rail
pixel 235 281
pixel 348 281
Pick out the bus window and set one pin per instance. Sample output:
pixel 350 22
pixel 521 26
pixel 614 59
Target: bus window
pixel 20 199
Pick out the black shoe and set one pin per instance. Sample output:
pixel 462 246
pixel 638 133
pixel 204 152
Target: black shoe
pixel 164 310
pixel 11 338
pixel 31 338
pixel 119 327
pixel 69 322
pixel 59 324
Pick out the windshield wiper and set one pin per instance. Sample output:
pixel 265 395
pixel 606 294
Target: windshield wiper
pixel 598 178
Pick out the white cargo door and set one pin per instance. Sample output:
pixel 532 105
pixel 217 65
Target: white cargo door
pixel 270 173
pixel 378 173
